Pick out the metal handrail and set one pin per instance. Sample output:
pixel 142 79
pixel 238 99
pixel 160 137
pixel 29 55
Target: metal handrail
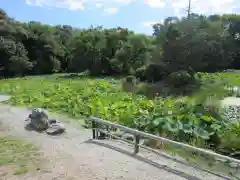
pixel 139 134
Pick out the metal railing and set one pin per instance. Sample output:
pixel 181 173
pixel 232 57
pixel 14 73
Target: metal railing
pixel 139 134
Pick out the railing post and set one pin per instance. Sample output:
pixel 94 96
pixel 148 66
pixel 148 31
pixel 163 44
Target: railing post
pixel 94 129
pixel 108 130
pixel 137 140
pixel 139 134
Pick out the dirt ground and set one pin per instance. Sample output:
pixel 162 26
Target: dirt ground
pixel 74 156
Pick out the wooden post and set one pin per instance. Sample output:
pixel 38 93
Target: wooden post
pixel 137 140
pixel 108 130
pixel 94 130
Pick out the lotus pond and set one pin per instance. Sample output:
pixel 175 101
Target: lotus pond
pixel 177 118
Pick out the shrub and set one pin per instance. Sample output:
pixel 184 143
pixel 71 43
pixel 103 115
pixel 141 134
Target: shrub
pixel 152 90
pixel 131 79
pixel 129 84
pixel 230 138
pixel 150 73
pixel 141 73
pixel 154 72
pixel 180 78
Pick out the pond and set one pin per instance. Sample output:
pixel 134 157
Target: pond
pixel 4 97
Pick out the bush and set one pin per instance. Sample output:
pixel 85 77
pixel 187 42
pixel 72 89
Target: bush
pixel 152 90
pixel 131 79
pixel 141 73
pixel 150 73
pixel 230 138
pixel 129 84
pixel 180 78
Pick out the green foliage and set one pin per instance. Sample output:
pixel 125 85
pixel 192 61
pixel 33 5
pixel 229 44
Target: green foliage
pixel 131 79
pixel 180 78
pixel 140 73
pixel 180 119
pixel 150 73
pixel 226 78
pixel 200 43
pixel 129 84
pixel 230 138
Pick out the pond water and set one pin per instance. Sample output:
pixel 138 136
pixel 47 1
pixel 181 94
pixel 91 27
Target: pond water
pixel 4 97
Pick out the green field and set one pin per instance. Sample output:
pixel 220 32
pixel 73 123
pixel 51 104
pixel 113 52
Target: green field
pixel 178 118
pixel 231 77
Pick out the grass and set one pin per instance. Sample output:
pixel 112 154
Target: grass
pixel 232 78
pixel 18 155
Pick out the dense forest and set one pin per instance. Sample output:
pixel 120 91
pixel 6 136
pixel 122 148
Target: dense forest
pixel 177 47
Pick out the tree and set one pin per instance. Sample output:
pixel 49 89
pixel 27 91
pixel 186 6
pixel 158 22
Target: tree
pixel 196 43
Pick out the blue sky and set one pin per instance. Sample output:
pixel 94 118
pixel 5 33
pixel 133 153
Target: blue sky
pixel 137 15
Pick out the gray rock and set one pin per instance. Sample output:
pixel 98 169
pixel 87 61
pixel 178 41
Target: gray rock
pixel 39 113
pixel 40 124
pixel 52 121
pixel 56 128
pixel 39 119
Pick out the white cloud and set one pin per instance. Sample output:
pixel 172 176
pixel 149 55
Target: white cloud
pixel 204 6
pixel 178 6
pixel 198 6
pixel 155 3
pixel 150 23
pixel 105 5
pixel 70 4
pixel 111 10
pixel 99 5
pixel 30 2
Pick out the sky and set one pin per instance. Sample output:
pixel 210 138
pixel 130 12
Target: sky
pixel 137 15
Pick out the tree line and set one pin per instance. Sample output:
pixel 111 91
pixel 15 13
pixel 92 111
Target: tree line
pixel 177 48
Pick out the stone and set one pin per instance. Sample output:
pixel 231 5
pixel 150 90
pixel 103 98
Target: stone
pixel 39 119
pixel 56 128
pixel 52 121
pixel 38 112
pixel 40 124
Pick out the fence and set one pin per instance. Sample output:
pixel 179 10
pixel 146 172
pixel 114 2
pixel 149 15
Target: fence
pixel 138 134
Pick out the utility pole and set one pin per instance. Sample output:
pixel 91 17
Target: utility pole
pixel 189 9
